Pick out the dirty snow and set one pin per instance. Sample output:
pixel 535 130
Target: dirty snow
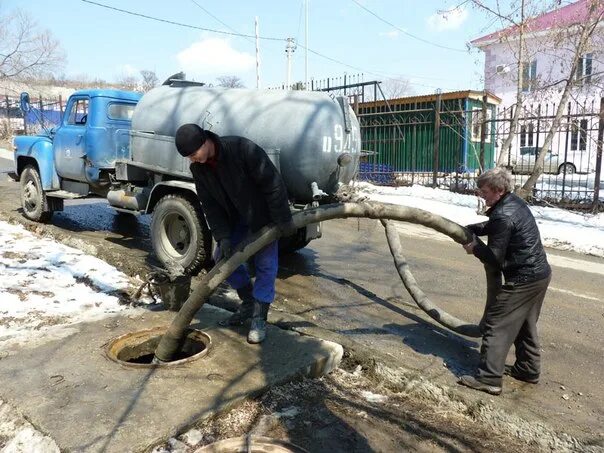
pixel 20 436
pixel 373 397
pixel 46 287
pixel 560 229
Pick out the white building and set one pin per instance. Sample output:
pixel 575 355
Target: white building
pixel 549 47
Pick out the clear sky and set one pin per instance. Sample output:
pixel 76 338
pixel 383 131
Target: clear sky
pixel 108 44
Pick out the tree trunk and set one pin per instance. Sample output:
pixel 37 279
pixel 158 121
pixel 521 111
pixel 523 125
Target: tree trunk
pixel 502 160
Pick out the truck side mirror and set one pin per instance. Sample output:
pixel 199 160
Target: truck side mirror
pixel 24 102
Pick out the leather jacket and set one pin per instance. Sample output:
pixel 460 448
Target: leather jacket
pixel 514 243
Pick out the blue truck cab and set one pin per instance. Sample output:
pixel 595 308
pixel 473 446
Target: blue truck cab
pixel 77 158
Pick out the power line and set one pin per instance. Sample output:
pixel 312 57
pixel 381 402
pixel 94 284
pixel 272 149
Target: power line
pixel 215 18
pixel 180 24
pixel 406 32
pixel 368 72
pixel 252 36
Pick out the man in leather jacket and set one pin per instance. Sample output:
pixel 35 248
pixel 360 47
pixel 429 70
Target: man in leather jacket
pixel 240 191
pixel 514 249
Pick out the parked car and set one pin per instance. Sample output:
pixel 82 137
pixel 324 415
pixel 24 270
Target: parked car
pixel 554 163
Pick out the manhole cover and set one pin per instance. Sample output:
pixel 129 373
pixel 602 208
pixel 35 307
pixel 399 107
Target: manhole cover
pixel 251 444
pixel 138 348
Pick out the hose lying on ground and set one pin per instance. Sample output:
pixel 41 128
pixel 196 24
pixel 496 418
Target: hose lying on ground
pixel 420 298
pixel 173 339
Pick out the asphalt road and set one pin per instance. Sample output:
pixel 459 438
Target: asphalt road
pixel 346 282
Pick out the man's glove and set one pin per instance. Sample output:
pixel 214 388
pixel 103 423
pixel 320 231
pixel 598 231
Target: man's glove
pixel 287 228
pixel 225 248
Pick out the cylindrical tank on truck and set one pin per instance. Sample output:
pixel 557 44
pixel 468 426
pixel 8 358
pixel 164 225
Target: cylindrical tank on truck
pixel 313 138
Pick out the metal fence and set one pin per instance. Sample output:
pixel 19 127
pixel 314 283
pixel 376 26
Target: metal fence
pixel 429 141
pixel 45 112
pixel 445 145
pixel 572 169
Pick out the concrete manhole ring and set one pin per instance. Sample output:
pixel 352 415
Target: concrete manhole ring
pixel 136 349
pixel 251 444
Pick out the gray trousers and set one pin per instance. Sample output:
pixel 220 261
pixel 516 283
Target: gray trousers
pixel 511 317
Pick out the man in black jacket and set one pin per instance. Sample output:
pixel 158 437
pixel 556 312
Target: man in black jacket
pixel 240 191
pixel 514 248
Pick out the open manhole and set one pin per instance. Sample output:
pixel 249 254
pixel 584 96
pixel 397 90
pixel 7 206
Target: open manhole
pixel 251 444
pixel 138 348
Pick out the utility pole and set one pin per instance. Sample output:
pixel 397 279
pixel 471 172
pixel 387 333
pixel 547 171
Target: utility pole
pixel 306 45
pixel 290 47
pixel 257 55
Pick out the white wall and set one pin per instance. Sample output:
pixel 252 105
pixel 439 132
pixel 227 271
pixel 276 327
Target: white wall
pixel 554 57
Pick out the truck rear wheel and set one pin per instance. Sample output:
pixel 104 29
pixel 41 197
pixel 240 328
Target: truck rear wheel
pixel 33 199
pixel 179 233
pixel 293 243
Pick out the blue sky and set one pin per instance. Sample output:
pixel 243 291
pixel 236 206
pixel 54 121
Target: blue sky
pixel 108 44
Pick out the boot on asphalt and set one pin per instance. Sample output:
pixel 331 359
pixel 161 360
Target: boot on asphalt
pixel 245 310
pixel 257 332
pixel 473 383
pixel 530 378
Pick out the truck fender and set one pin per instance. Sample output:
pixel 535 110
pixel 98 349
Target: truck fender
pixel 168 187
pixel 40 154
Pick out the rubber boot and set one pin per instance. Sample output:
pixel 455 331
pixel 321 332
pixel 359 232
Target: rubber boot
pixel 245 310
pixel 257 332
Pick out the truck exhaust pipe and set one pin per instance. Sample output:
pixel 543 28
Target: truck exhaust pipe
pixel 126 199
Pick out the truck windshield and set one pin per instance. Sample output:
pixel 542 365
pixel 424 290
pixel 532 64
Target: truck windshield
pixel 117 111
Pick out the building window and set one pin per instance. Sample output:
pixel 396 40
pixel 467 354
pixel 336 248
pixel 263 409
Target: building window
pixel 526 135
pixel 584 69
pixel 529 76
pixel 578 136
pixel 477 122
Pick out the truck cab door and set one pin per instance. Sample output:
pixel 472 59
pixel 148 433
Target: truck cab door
pixel 70 140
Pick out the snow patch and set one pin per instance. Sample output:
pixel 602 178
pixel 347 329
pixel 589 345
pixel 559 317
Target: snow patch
pixel 46 287
pixel 560 229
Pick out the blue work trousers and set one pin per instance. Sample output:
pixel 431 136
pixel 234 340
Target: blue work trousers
pixel 266 262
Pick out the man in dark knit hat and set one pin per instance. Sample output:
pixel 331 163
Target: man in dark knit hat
pixel 240 191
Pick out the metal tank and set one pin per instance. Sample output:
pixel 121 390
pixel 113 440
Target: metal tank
pixel 312 137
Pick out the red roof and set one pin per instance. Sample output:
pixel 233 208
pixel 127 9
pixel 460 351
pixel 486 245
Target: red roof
pixel 562 17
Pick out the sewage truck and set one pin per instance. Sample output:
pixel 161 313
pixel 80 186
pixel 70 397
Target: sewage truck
pixel 120 145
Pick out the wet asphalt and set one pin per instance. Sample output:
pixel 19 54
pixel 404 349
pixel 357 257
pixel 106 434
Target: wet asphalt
pixel 346 282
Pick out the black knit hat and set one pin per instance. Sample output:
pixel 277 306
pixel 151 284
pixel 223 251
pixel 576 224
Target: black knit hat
pixel 189 138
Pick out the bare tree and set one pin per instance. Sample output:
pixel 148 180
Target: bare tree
pixel 579 37
pixel 567 44
pixel 150 80
pixel 513 20
pixel 128 82
pixel 230 82
pixel 26 51
pixel 396 88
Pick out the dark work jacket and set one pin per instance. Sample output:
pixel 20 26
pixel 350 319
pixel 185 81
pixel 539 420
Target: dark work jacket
pixel 245 187
pixel 514 244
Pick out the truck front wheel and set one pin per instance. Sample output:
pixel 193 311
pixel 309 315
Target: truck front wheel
pixel 33 199
pixel 179 233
